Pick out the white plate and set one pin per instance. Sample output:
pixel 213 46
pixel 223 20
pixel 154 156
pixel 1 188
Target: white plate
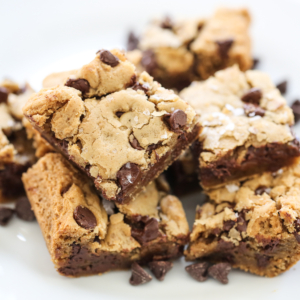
pixel 36 37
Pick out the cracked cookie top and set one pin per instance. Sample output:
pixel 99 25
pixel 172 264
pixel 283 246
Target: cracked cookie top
pixel 239 109
pixel 113 122
pixel 264 207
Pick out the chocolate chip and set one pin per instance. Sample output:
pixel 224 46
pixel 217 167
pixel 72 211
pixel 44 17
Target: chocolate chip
pixel 132 80
pixel 252 96
pixel 23 210
pixel 220 271
pixel 135 144
pixel 108 58
pixel 255 62
pixel 84 217
pixel 225 245
pixel 176 119
pixel 153 147
pixel 148 233
pixel 119 114
pixel 139 86
pixel 148 61
pixel 297 230
pixel 297 237
pixel 128 175
pixel 252 110
pixel 241 222
pixel 271 245
pixel 216 231
pixel 160 268
pixel 296 110
pixel 5 215
pixel 262 260
pixel 198 271
pixel 167 23
pixel 139 275
pixel 227 225
pixel 224 47
pixel 79 84
pixel 297 225
pixel 65 189
pixel 132 41
pixel 3 94
pixel 282 86
pixel 262 189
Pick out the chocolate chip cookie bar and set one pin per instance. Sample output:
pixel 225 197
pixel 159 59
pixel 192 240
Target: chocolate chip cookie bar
pixel 246 126
pixel 177 52
pixel 223 41
pixel 254 225
pixel 16 153
pixel 121 129
pixel 86 236
pixel 162 50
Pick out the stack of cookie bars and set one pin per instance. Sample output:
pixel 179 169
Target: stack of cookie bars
pixel 182 96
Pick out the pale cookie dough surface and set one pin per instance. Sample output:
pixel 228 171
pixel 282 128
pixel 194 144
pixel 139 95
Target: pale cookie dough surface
pixel 58 78
pixel 180 33
pixel 100 132
pixel 16 102
pixel 7 122
pixel 226 126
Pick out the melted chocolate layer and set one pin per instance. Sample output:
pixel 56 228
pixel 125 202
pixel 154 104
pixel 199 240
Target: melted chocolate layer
pixel 270 157
pixel 83 262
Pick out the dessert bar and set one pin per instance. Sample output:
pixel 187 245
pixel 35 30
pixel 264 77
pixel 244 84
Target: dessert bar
pixel 254 225
pixel 86 236
pixel 120 128
pixel 177 52
pixel 246 126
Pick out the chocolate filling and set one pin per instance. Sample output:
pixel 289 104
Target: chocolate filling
pixel 10 180
pixel 83 262
pixel 270 157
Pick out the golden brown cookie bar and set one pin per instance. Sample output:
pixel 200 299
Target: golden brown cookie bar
pixel 246 125
pixel 121 129
pixel 177 52
pixel 223 42
pixel 255 225
pixel 82 239
pixel 16 153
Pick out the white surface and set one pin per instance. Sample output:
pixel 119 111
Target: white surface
pixel 36 38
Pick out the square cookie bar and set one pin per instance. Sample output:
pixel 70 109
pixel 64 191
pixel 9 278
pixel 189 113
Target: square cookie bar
pixel 177 52
pixel 16 152
pixel 86 236
pixel 121 129
pixel 246 126
pixel 223 41
pixel 254 225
